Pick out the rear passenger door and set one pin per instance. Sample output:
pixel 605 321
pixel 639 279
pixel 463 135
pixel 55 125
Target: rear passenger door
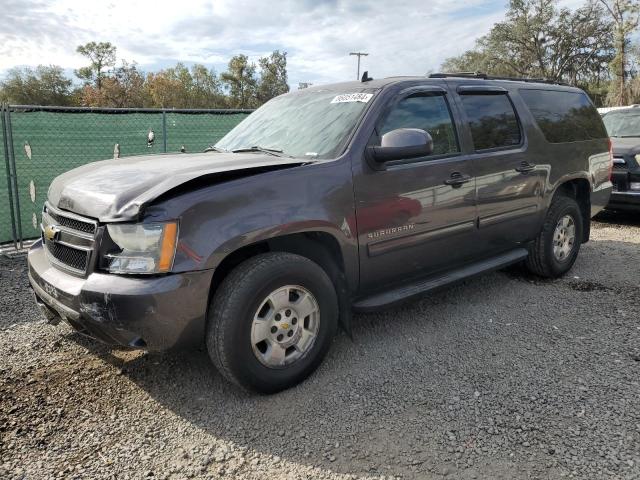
pixel 508 183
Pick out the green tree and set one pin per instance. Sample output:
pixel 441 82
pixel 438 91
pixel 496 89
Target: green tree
pixel 273 76
pixel 626 16
pixel 538 39
pixel 124 88
pixel 179 87
pixel 477 60
pixel 44 85
pixel 164 89
pixel 206 88
pixel 101 55
pixel 240 79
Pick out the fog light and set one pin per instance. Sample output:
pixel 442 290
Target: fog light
pixel 634 186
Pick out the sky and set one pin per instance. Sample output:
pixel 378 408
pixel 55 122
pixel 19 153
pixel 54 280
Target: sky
pixel 402 37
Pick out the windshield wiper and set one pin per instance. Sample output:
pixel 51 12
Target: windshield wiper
pixel 271 151
pixel 213 148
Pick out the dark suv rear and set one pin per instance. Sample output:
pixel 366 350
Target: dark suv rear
pixel 344 197
pixel 624 129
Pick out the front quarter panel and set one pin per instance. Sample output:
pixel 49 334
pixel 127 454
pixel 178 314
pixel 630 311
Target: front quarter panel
pixel 219 219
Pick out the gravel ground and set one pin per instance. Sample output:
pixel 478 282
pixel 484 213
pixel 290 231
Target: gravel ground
pixel 505 376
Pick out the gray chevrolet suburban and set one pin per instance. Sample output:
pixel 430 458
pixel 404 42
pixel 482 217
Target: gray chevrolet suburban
pixel 325 201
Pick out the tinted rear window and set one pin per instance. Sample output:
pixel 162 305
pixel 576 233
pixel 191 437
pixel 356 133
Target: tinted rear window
pixel 564 116
pixel 492 121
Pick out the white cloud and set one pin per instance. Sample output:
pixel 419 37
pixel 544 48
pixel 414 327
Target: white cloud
pixel 406 37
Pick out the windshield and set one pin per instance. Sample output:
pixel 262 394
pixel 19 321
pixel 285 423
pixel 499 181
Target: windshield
pixel 311 124
pixel 622 124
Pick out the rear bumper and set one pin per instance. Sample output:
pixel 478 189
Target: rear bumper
pixel 624 201
pixel 154 313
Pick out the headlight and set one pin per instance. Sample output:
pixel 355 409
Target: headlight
pixel 146 247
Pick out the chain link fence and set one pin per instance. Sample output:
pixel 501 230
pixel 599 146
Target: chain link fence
pixel 39 143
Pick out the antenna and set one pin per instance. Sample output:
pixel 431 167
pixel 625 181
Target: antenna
pixel 358 54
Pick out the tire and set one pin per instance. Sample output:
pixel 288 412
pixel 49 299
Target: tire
pixel 253 293
pixel 542 260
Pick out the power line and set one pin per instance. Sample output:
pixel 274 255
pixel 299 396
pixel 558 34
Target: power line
pixel 358 54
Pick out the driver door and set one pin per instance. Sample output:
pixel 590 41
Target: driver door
pixel 416 216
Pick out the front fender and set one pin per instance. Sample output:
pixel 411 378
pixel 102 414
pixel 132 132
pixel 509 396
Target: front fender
pixel 344 237
pixel 217 220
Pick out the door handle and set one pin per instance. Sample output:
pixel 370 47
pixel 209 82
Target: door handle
pixel 457 179
pixel 525 167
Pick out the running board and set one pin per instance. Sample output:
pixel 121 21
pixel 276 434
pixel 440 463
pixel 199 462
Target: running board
pixel 406 292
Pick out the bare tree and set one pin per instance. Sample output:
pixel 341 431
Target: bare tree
pixel 626 16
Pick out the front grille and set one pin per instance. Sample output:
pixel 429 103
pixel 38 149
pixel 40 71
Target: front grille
pixel 69 239
pixel 71 257
pixel 72 223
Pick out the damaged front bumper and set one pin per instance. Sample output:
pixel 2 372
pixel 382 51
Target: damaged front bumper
pixel 150 312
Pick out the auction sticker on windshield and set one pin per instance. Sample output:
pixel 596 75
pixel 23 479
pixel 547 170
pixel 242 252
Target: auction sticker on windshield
pixel 352 97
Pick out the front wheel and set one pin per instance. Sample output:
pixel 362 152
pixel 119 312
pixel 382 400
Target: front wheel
pixel 272 321
pixel 556 247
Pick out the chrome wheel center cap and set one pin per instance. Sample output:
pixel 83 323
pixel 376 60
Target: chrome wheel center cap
pixel 564 238
pixel 285 326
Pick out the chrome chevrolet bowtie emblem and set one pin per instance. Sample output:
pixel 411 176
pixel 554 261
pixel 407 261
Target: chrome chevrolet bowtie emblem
pixel 51 232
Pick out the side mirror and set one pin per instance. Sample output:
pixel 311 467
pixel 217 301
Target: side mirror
pixel 402 143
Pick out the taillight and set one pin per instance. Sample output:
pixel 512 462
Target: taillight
pixel 610 160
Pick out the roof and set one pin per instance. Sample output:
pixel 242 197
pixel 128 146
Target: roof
pixel 484 76
pixel 475 78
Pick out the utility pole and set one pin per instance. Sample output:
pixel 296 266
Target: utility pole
pixel 358 54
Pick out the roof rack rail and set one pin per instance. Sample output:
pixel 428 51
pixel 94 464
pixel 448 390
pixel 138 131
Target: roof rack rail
pixel 484 76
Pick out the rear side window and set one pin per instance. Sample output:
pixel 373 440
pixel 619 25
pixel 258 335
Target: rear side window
pixel 492 120
pixel 428 112
pixel 564 116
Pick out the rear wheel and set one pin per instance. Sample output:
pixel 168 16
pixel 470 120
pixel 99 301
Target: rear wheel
pixel 556 248
pixel 272 321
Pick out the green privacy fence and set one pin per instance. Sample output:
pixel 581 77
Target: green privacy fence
pixel 40 143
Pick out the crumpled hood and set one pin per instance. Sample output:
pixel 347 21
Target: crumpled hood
pixel 625 146
pixel 117 190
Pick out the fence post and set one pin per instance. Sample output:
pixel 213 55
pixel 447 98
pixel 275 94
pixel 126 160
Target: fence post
pixel 14 174
pixel 164 131
pixel 3 108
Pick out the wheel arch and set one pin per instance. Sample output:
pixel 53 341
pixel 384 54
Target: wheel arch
pixel 321 247
pixel 579 188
